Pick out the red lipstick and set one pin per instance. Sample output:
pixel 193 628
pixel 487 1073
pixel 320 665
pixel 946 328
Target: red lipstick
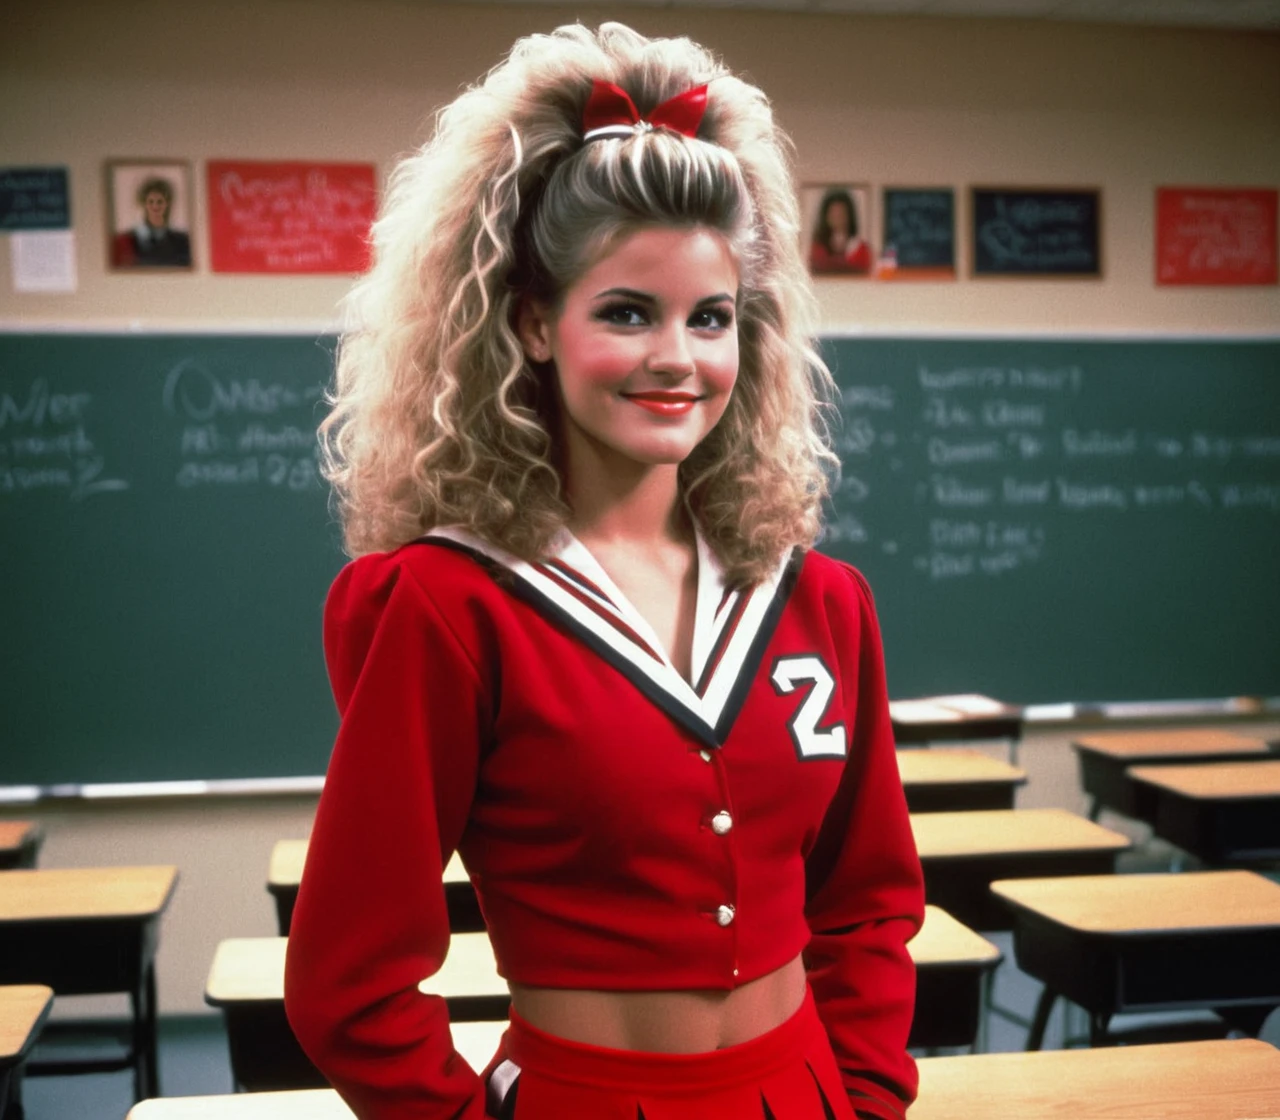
pixel 664 402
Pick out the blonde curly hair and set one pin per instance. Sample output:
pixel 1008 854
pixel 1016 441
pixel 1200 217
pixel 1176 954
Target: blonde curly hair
pixel 439 419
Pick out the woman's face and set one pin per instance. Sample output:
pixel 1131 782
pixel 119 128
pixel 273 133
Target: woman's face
pixel 837 217
pixel 645 347
pixel 157 208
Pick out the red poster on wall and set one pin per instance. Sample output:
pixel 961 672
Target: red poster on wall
pixel 1215 236
pixel 290 217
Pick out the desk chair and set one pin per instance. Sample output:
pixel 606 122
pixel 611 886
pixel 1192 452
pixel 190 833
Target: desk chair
pixel 1141 943
pixel 952 780
pixel 285 874
pixel 954 719
pixel 246 982
pixel 23 1010
pixel 19 844
pixel 1221 812
pixel 1220 1080
pixel 88 931
pixel 1105 760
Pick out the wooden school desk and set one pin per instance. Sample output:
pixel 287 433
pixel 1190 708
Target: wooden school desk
pixel 1105 760
pixel 1220 1080
pixel 285 873
pixel 307 1104
pixel 1220 812
pixel 23 1010
pixel 954 719
pixel 1140 943
pixel 952 963
pixel 962 853
pixel 246 981
pixel 951 780
pixel 88 931
pixel 19 844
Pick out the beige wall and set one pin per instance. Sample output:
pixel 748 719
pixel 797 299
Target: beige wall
pixel 887 101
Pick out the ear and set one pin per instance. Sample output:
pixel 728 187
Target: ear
pixel 533 326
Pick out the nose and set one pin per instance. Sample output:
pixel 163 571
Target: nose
pixel 671 354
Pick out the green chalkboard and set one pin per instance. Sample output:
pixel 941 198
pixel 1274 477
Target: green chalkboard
pixel 1041 520
pixel 167 549
pixel 1066 520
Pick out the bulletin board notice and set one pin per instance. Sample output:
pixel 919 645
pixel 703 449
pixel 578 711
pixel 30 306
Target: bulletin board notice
pixel 1215 236
pixel 290 217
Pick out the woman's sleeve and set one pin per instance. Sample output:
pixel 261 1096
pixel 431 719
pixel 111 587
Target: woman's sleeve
pixel 865 893
pixel 371 920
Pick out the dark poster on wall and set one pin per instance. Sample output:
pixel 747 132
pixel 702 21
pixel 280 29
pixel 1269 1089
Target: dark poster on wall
pixel 34 198
pixel 1036 232
pixel 919 231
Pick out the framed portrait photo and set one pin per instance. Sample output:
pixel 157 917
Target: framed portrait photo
pixel 149 215
pixel 836 228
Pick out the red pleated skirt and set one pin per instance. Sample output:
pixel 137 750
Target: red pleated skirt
pixel 787 1074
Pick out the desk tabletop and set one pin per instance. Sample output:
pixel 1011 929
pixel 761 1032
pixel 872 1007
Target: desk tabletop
pixel 85 892
pixel 989 832
pixel 17 834
pixel 1218 1080
pixel 1121 905
pixel 1215 781
pixel 303 1104
pixel 289 856
pixel 23 1008
pixel 1170 743
pixel 951 766
pixel 251 970
pixel 943 940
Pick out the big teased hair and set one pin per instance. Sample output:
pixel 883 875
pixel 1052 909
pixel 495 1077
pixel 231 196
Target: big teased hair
pixel 439 419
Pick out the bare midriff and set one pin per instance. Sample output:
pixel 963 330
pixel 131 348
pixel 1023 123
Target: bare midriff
pixel 665 1022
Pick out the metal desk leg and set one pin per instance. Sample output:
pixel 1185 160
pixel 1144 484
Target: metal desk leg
pixel 146 1058
pixel 1035 1036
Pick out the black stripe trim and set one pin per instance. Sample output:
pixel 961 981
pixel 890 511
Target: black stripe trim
pixel 727 631
pixel 523 589
pixel 764 635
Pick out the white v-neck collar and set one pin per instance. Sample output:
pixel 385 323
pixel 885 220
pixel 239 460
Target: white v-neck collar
pixel 730 624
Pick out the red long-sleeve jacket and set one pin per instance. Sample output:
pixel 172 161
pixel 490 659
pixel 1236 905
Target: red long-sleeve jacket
pixel 624 829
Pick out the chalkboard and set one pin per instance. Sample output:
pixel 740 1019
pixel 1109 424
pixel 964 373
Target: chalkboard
pixel 1040 520
pixel 1051 521
pixel 1019 232
pixel 167 549
pixel 919 228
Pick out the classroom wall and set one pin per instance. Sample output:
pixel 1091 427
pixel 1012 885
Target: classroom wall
pixel 887 101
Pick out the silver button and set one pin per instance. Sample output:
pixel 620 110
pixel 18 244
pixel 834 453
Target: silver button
pixel 721 823
pixel 705 756
pixel 724 914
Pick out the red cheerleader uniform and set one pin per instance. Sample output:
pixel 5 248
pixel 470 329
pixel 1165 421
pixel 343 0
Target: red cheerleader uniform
pixel 624 829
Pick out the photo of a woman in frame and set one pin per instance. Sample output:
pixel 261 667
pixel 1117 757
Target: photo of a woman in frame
pixel 837 245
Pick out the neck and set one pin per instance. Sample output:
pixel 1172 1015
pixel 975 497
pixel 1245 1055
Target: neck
pixel 639 505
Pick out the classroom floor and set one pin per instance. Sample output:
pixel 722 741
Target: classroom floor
pixel 194 1060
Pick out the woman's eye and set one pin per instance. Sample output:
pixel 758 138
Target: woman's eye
pixel 712 318
pixel 623 315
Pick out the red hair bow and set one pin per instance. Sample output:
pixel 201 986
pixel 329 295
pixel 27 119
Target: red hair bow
pixel 611 112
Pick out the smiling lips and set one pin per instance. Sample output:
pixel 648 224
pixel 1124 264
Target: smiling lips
pixel 664 403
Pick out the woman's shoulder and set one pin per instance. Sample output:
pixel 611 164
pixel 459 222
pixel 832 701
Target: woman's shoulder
pixel 828 575
pixel 430 564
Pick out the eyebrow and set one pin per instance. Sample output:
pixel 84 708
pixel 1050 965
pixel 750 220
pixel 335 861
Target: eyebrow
pixel 645 297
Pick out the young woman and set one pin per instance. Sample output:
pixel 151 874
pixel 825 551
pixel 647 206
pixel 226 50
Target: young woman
pixel 577 451
pixel 837 244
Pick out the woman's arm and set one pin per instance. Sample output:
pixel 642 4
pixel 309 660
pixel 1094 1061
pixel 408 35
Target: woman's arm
pixel 866 894
pixel 371 920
